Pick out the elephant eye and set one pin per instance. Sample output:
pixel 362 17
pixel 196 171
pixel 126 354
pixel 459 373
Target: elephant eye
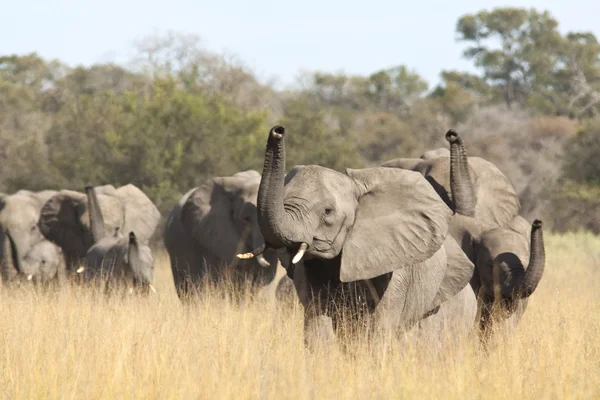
pixel 43 261
pixel 328 210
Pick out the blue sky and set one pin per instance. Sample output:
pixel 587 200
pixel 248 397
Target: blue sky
pixel 275 38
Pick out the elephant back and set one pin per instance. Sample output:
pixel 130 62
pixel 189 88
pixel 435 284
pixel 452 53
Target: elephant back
pixel 141 215
pixel 497 200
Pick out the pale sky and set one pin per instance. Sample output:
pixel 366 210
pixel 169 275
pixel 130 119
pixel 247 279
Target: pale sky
pixel 275 38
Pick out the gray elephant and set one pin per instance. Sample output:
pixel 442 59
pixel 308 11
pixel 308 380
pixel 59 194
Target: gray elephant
pixel 64 218
pixel 19 214
pixel 368 241
pixel 210 225
pixel 114 259
pixel 508 252
pixel 43 263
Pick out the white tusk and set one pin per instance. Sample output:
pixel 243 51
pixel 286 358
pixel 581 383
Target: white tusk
pixel 29 277
pixel 262 261
pixel 152 288
pixel 80 270
pixel 300 253
pixel 252 254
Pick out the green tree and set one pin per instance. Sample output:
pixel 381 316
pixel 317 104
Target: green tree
pixel 529 48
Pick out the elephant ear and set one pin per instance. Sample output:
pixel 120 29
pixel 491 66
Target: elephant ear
pixel 458 272
pixel 207 217
pixel 64 219
pixel 497 200
pixel 141 215
pixel 400 221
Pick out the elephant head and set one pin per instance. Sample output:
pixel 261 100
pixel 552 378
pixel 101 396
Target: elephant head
pixel 380 219
pixel 43 263
pixel 18 214
pixel 501 252
pixel 64 218
pixel 221 215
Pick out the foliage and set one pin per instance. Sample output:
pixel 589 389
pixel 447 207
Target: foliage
pixel 180 114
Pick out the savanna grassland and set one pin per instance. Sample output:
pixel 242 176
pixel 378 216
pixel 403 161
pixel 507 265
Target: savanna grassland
pixel 78 344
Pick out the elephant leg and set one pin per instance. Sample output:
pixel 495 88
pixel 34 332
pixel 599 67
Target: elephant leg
pixel 318 332
pixel 318 326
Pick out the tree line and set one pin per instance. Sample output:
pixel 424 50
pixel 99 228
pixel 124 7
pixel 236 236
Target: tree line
pixel 178 114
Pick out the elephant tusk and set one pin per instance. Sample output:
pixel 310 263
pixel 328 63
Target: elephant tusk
pixel 300 253
pixel 152 288
pixel 29 277
pixel 80 270
pixel 252 254
pixel 262 261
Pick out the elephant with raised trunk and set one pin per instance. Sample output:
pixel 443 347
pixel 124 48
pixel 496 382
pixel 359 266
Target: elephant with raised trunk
pixel 64 218
pixel 19 213
pixel 113 258
pixel 508 252
pixel 369 240
pixel 210 225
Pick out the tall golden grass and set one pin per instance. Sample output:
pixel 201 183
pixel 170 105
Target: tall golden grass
pixel 78 344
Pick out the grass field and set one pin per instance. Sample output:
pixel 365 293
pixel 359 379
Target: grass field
pixel 76 344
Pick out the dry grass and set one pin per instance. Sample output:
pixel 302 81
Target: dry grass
pixel 76 344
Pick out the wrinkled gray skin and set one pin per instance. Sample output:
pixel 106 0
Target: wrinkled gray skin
pixel 376 242
pixel 113 258
pixel 487 226
pixel 210 225
pixel 64 218
pixel 19 214
pixel 43 263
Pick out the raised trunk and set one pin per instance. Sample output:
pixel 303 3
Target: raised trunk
pixel 463 192
pixel 521 282
pixel 272 218
pixel 96 220
pixel 133 258
pixel 537 260
pixel 14 252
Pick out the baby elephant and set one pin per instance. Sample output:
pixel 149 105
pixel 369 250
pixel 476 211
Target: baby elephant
pixel 43 263
pixel 116 259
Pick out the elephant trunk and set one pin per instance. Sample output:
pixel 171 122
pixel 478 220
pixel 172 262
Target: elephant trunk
pixel 14 252
pixel 537 260
pixel 135 263
pixel 522 283
pixel 96 219
pixel 273 220
pixel 463 193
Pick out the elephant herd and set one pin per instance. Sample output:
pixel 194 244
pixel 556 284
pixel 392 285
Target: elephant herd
pixel 48 236
pixel 407 242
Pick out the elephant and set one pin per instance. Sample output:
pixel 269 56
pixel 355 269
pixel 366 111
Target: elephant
pixel 368 241
pixel 114 258
pixel 211 224
pixel 43 263
pixel 19 214
pixel 487 225
pixel 64 218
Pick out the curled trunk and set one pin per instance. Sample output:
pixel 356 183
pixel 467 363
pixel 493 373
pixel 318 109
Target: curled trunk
pixel 522 282
pixel 96 219
pixel 461 185
pixel 272 218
